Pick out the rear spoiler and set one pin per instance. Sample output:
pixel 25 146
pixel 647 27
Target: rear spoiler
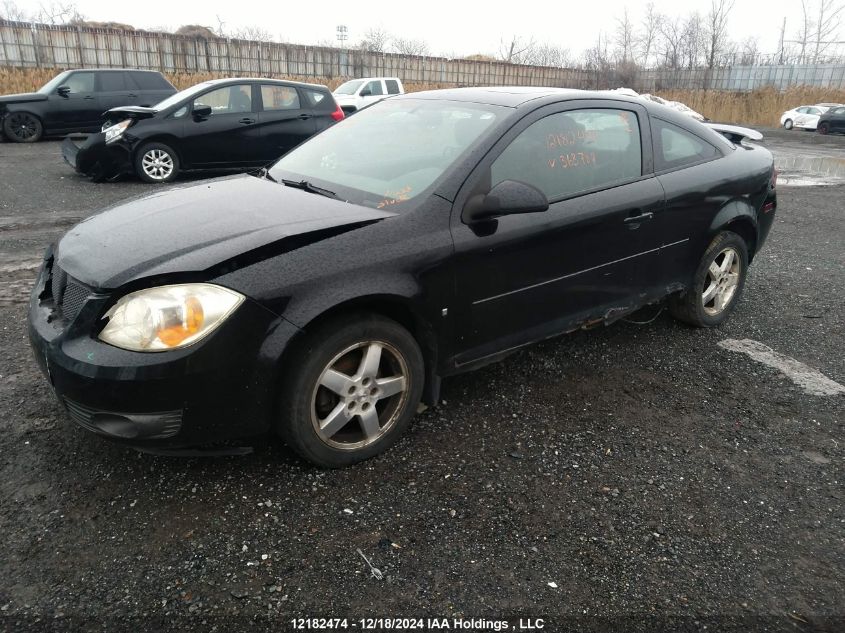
pixel 735 133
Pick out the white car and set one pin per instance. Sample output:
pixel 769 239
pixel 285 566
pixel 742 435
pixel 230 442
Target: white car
pixel 805 117
pixel 357 93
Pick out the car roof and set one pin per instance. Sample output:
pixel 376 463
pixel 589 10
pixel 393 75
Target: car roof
pixel 101 70
pixel 516 96
pixel 264 80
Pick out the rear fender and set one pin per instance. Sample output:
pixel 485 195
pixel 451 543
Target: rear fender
pixel 738 216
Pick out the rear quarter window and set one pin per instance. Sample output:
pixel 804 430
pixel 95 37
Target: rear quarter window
pixel 150 81
pixel 319 100
pixel 676 148
pixel 392 86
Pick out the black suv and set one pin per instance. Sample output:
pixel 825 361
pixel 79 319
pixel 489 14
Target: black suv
pixel 74 101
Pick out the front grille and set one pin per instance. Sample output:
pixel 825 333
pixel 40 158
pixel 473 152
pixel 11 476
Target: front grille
pixel 146 425
pixel 68 294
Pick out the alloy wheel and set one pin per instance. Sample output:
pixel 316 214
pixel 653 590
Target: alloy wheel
pixel 157 164
pixel 722 281
pixel 360 395
pixel 23 126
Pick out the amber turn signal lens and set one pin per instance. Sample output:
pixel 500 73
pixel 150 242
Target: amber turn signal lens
pixel 191 323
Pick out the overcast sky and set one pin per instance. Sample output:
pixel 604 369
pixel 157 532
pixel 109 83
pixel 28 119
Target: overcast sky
pixel 451 27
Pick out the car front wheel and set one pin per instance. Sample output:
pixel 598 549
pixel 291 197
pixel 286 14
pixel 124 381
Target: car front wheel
pixel 717 285
pixel 23 127
pixel 788 124
pixel 156 162
pixel 350 389
pixel 823 128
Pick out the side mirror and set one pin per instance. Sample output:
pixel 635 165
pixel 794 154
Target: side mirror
pixel 509 197
pixel 202 112
pixel 366 92
pixel 63 91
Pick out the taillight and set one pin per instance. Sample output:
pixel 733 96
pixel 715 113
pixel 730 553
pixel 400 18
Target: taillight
pixel 337 115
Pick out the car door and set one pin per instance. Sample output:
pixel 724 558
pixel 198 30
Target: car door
pixel 74 106
pixel 837 121
pixel 371 92
pixel 801 116
pixel 285 120
pixel 524 277
pixel 229 136
pixel 688 168
pixel 113 90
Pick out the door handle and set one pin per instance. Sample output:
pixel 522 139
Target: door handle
pixel 304 116
pixel 132 95
pixel 89 97
pixel 638 216
pixel 247 121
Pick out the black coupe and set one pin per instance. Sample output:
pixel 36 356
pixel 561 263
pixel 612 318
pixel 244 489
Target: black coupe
pixel 832 121
pixel 427 235
pixel 224 123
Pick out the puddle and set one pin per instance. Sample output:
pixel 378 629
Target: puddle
pixel 809 170
pixel 807 180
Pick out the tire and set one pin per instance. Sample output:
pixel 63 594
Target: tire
pixel 340 353
pixel 691 307
pixel 165 170
pixel 23 127
pixel 787 124
pixel 823 128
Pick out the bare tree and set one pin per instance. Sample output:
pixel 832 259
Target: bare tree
pixel 693 43
pixel 648 33
pixel 11 11
pixel 516 50
pixel 749 51
pixel 717 28
pixel 828 20
pixel 375 40
pixel 58 13
pixel 253 34
pixel 624 38
pixel 548 55
pixel 805 31
pixel 409 47
pixel 671 41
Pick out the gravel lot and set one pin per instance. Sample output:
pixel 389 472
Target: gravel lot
pixel 659 481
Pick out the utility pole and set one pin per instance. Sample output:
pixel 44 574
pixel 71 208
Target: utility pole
pixel 782 33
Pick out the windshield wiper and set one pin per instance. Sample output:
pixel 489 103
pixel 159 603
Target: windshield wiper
pixel 307 186
pixel 264 172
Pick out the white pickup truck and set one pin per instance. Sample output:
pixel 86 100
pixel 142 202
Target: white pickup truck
pixel 357 93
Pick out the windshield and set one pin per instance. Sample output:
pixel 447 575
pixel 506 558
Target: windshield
pixel 390 152
pixel 182 94
pixel 54 83
pixel 349 88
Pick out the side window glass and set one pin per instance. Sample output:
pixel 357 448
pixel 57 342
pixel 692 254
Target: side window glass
pixel 279 98
pixel 112 82
pixel 570 152
pixel 677 148
pixel 813 111
pixel 392 86
pixel 80 83
pixel 317 99
pixel 375 88
pixel 228 100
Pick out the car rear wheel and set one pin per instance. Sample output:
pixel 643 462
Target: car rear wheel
pixel 823 128
pixel 717 285
pixel 788 124
pixel 23 127
pixel 350 389
pixel 156 162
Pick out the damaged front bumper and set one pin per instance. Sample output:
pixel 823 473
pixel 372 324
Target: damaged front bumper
pixel 91 156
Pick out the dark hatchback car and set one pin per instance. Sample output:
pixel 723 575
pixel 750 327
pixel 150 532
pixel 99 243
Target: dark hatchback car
pixel 427 235
pixel 225 123
pixel 74 101
pixel 832 121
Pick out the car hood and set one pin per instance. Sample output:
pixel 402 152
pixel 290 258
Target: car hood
pixel 230 221
pixel 24 97
pixel 132 112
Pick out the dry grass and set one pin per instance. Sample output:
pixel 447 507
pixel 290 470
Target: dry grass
pixel 759 107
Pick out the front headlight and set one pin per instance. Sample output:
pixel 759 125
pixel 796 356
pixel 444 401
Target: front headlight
pixel 116 131
pixel 168 317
